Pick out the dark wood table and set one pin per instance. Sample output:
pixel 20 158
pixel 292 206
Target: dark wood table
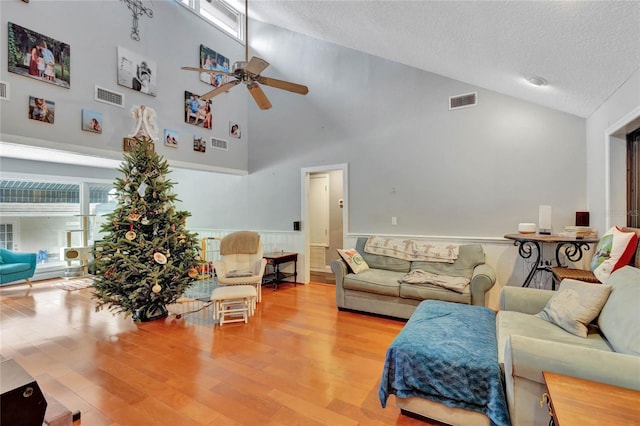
pixel 530 244
pixel 579 402
pixel 276 259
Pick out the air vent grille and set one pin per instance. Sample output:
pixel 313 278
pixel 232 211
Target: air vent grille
pixel 109 97
pixel 4 90
pixel 463 101
pixel 219 144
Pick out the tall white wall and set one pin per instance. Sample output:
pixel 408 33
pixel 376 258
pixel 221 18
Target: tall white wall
pixel 94 30
pixel 471 172
pixel 623 105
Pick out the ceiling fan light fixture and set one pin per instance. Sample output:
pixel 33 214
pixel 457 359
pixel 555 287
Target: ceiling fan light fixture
pixel 537 81
pixel 249 72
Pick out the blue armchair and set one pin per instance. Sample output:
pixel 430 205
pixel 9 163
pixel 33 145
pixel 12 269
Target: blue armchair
pixel 15 266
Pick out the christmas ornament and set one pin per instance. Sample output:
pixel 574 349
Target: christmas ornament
pixel 142 189
pixel 108 273
pixel 156 288
pixel 193 272
pixel 160 258
pixel 130 235
pixel 134 217
pixel 145 221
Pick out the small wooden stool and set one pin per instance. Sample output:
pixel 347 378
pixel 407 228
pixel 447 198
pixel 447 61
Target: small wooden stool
pixel 233 303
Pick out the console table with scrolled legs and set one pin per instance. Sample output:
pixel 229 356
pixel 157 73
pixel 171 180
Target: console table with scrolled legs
pixel 531 245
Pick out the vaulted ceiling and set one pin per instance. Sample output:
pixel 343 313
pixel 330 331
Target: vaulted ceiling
pixel 584 50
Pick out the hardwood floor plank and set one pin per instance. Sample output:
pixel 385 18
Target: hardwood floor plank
pixel 310 409
pixel 299 361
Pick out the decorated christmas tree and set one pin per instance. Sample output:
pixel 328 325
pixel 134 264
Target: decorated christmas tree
pixel 147 258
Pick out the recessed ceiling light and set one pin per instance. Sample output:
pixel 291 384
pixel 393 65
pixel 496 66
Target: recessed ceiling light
pixel 537 81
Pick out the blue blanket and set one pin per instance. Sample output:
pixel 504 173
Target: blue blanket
pixel 447 353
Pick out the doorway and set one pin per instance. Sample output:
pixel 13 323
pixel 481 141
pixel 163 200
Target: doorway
pixel 615 163
pixel 319 221
pixel 324 217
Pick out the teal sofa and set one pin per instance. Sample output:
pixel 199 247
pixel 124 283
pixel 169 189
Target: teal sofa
pixel 528 345
pixel 379 291
pixel 16 266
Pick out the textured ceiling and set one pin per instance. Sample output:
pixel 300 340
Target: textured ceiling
pixel 585 50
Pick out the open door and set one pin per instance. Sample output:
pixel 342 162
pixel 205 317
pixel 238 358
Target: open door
pixel 324 215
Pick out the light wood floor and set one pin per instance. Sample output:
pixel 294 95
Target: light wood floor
pixel 298 362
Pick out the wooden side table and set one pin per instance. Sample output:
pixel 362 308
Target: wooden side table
pixel 579 402
pixel 276 259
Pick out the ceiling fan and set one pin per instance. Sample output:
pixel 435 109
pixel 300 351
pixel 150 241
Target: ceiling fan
pixel 249 73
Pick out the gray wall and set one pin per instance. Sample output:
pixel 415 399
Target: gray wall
pixel 623 105
pixel 472 172
pixel 94 30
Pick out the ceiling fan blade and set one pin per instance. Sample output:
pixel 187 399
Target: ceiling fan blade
pixel 284 85
pixel 259 96
pixel 215 92
pixel 216 72
pixel 256 65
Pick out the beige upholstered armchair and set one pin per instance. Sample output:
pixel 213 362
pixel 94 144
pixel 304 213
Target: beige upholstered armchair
pixel 241 260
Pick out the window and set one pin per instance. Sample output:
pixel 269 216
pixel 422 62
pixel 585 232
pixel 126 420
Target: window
pixel 219 13
pixel 43 217
pixel 6 236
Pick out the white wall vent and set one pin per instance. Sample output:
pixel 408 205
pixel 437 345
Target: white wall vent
pixel 109 97
pixel 219 144
pixel 463 101
pixel 4 91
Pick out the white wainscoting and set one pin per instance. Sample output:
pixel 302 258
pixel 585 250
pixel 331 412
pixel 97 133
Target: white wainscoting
pixel 501 254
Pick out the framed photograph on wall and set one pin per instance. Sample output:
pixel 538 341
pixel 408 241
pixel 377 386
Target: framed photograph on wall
pixel 41 109
pixel 91 121
pixel 38 56
pixel 137 72
pixel 234 130
pixel 215 61
pixel 199 144
pixel 197 111
pixel 171 138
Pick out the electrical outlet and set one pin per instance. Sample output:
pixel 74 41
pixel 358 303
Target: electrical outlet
pixel 394 220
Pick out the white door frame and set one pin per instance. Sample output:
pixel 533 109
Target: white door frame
pixel 304 176
pixel 618 130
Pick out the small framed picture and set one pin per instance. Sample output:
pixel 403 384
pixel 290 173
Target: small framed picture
pixel 197 111
pixel 214 61
pixel 137 72
pixel 38 56
pixel 41 109
pixel 199 144
pixel 234 130
pixel 91 121
pixel 171 138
